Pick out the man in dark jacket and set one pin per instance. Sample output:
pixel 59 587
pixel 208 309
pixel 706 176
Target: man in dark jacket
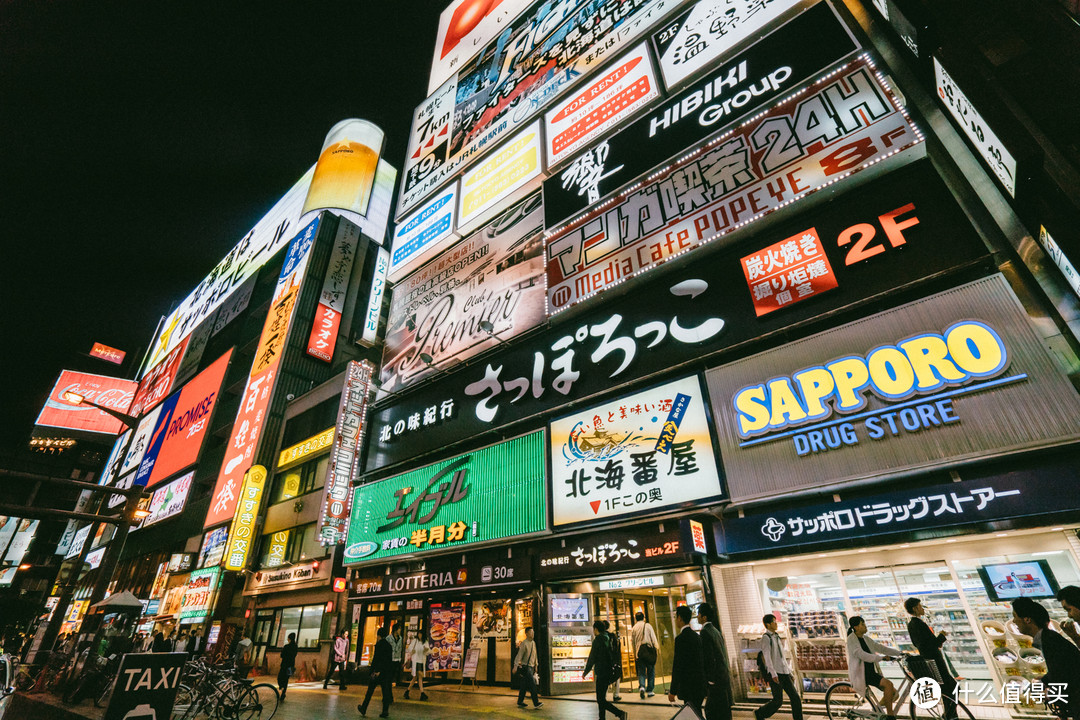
pixel 717 672
pixel 1062 657
pixel 688 666
pixel 929 647
pixel 602 661
pixel 382 675
pixel 288 665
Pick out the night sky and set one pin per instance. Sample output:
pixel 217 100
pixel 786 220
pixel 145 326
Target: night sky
pixel 140 140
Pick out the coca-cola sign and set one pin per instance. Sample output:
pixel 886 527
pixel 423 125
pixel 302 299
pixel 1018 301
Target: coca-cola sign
pixel 113 393
pixel 495 276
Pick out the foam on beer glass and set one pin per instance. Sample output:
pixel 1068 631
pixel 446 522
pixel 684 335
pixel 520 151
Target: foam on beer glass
pixel 345 172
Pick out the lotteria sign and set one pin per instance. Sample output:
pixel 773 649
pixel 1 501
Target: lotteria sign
pixel 493 493
pixel 956 376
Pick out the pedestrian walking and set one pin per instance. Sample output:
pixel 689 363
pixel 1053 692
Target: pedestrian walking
pixel 1062 657
pixel 419 649
pixel 288 665
pixel 616 677
pixel 863 654
pixel 602 660
pixel 525 664
pixel 929 646
pixel 778 673
pixel 643 638
pixel 244 657
pixel 198 642
pixel 397 645
pixel 162 643
pixel 687 666
pixel 182 642
pixel 1069 597
pixel 338 655
pixel 718 697
pixel 382 675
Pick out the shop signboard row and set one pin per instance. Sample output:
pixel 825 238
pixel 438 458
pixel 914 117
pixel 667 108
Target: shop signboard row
pixel 479 570
pixel 494 276
pixel 506 85
pixel 767 71
pixel 952 378
pixel 867 242
pixel 627 549
pixel 831 129
pixel 1021 493
pixel 303 575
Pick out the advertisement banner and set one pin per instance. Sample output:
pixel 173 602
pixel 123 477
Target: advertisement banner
pixel 242 530
pixel 199 594
pixel 709 29
pixel 345 172
pixel 746 81
pixel 113 393
pixel 424 234
pixel 25 530
pixel 514 78
pixel 182 425
pixel 213 547
pixel 494 276
pixel 447 630
pixel 612 95
pixel 115 459
pixel 158 381
pixel 306 448
pixel 77 542
pixel 247 430
pixel 236 304
pixel 169 499
pixel 691 311
pixel 68 537
pixel 465 27
pixel 324 331
pixel 369 336
pixel 493 493
pixel 830 130
pixel 140 442
pixel 499 177
pixel 954 377
pixel 108 354
pixel 970 502
pixel 260 244
pixel 647 452
pixel 348 440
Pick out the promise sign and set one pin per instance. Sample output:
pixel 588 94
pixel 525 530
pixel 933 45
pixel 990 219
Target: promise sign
pixel 832 129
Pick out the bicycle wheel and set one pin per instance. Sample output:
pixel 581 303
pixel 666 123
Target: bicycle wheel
pixel 185 700
pixel 843 703
pixel 938 711
pixel 268 699
pixel 102 699
pixel 246 705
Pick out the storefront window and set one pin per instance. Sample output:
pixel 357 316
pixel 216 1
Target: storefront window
pixel 295 545
pixel 298 480
pixel 309 622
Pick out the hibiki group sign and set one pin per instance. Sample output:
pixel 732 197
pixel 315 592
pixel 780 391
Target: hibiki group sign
pixel 513 79
pixel 640 453
pixel 744 82
pixel 246 432
pixel 832 129
pixel 697 309
pixel 956 376
pixel 496 275
pixel 493 493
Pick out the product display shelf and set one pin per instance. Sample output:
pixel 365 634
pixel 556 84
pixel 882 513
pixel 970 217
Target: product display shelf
pixel 569 653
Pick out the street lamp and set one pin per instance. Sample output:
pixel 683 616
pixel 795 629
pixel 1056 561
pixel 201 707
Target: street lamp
pixel 76 399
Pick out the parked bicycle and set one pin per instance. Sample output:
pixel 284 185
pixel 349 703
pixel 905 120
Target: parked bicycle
pixel 843 702
pixel 215 692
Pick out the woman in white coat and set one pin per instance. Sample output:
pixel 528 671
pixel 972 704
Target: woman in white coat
pixel 418 650
pixel 864 653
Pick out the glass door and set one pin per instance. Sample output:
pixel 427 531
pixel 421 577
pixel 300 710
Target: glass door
pixel 265 627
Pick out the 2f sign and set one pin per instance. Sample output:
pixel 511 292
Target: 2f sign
pixel 139 679
pixel 861 236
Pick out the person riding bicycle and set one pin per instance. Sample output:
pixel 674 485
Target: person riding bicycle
pixel 864 653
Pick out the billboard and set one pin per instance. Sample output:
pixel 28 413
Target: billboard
pixel 182 424
pixel 424 234
pixel 169 499
pixel 828 131
pixel 254 403
pixel 158 381
pixel 253 251
pixel 24 531
pixel 242 534
pixel 140 441
pixel 324 331
pixel 697 37
pixel 113 393
pixel 106 353
pixel 496 275
pixel 610 97
pixel 348 439
pixel 746 81
pixel 499 177
pixel 693 310
pixel 647 452
pixel 199 594
pixel 954 377
pixel 465 27
pixel 493 493
pixel 514 78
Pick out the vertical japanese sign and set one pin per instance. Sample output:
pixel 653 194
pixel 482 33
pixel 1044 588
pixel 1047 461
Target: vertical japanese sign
pixel 242 530
pixel 348 439
pixel 324 331
pixel 373 314
pixel 640 453
pixel 247 430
